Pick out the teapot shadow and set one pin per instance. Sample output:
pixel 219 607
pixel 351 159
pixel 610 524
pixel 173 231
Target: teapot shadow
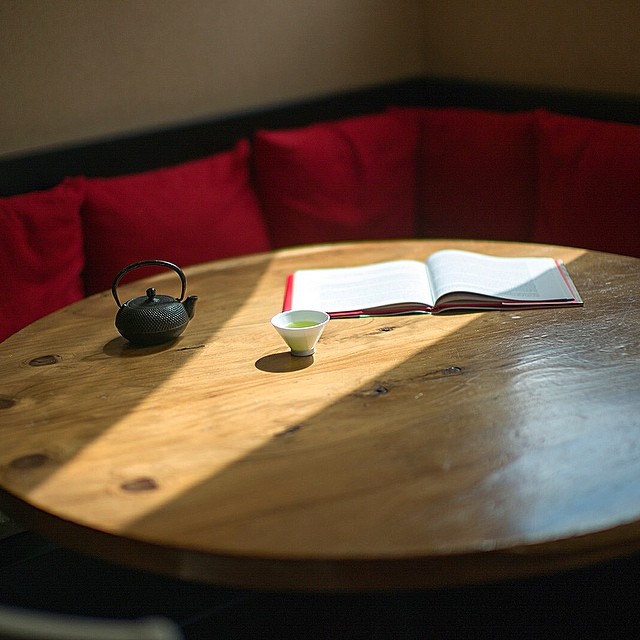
pixel 121 348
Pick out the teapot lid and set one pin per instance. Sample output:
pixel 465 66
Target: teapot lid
pixel 150 300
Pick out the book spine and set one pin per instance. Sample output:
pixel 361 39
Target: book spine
pixel 288 293
pixel 567 280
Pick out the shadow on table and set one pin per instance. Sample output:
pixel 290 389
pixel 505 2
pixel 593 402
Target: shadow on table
pixel 446 370
pixel 522 486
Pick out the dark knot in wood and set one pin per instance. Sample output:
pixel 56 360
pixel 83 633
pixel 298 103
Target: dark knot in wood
pixel 43 361
pixel 140 484
pixel 289 430
pixel 452 371
pixel 378 390
pixel 31 461
pixel 6 402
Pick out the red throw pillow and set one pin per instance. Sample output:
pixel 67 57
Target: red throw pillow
pixel 589 184
pixel 352 179
pixel 477 176
pixel 193 212
pixel 41 254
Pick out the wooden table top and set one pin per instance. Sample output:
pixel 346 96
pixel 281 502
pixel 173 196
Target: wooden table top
pixel 412 451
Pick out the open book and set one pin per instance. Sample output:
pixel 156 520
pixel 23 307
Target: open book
pixel 449 280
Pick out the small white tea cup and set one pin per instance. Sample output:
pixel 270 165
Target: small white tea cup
pixel 300 329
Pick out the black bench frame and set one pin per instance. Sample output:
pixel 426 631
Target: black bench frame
pixel 163 147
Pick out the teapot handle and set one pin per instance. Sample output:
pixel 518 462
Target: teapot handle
pixel 145 263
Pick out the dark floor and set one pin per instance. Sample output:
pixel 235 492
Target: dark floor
pixel 601 602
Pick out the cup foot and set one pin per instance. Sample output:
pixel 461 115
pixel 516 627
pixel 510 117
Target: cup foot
pixel 310 352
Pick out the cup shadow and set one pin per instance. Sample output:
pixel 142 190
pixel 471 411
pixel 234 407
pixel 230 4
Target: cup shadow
pixel 283 362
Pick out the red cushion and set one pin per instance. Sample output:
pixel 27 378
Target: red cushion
pixel 193 212
pixel 41 254
pixel 351 179
pixel 477 176
pixel 589 184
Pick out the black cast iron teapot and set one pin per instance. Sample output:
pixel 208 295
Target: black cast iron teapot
pixel 153 319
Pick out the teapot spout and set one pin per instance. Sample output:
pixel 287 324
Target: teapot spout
pixel 190 305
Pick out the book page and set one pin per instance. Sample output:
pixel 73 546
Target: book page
pixel 520 279
pixel 361 288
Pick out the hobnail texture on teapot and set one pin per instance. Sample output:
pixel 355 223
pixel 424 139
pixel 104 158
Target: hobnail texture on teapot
pixel 153 318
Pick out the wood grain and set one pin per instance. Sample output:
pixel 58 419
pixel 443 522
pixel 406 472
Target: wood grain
pixel 409 451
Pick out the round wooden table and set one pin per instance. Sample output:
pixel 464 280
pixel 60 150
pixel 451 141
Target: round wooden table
pixel 411 451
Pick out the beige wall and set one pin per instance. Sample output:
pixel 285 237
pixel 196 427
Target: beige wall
pixel 76 69
pixel 73 70
pixel 576 44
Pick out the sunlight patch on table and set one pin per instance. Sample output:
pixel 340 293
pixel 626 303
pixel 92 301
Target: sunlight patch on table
pixel 221 387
